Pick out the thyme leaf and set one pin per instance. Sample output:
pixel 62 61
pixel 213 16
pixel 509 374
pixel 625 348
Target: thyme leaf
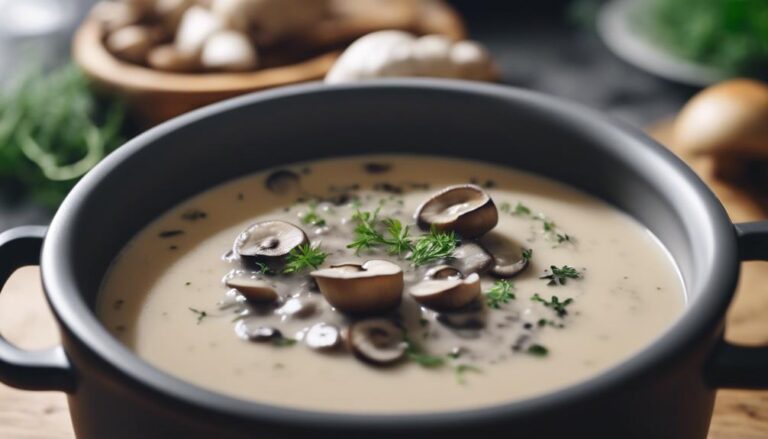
pixel 502 292
pixel 303 257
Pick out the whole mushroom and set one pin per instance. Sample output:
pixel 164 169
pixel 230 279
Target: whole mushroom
pixel 131 43
pixel 229 51
pixel 465 209
pixel 373 287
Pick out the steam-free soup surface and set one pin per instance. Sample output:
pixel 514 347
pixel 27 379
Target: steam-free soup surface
pixel 164 296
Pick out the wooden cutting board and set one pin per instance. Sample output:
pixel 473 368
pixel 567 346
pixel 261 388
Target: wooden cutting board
pixel 25 319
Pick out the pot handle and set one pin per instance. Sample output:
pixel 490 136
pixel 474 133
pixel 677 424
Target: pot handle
pixel 736 366
pixel 48 369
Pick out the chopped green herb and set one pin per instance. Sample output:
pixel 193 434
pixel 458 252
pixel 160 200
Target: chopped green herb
pixel 538 350
pixel 398 240
pixel 527 254
pixel 555 304
pixel 263 268
pixel 559 276
pixel 312 218
pixel 366 235
pixel 505 207
pixel 563 238
pixel 415 354
pixel 282 342
pixel 462 369
pixel 433 246
pixel 303 257
pixel 502 292
pixel 200 314
pixel 522 210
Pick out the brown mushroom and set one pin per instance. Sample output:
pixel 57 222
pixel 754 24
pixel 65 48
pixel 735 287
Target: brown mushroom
pixel 509 257
pixel 131 43
pixel 376 341
pixel 323 336
pixel 728 122
pixel 470 257
pixel 465 209
pixel 269 242
pixel 283 181
pixel 167 58
pixel 373 287
pixel 255 290
pixel 447 293
pixel 443 272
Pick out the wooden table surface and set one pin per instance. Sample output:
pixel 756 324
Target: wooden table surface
pixel 25 320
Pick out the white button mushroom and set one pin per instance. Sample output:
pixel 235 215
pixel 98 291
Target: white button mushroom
pixel 373 287
pixel 397 53
pixel 228 50
pixel 197 25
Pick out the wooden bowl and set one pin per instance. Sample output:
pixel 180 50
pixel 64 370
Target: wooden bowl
pixel 154 96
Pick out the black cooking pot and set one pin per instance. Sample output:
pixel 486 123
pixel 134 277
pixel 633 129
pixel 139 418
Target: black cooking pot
pixel 664 391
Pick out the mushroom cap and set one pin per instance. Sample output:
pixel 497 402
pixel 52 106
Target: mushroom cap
pixel 228 50
pixel 470 257
pixel 444 272
pixel 268 241
pixel 727 118
pixel 465 209
pixel 165 57
pixel 323 336
pixel 283 181
pixel 373 287
pixel 508 260
pixel 447 294
pixel 255 290
pixel 376 341
pixel 131 43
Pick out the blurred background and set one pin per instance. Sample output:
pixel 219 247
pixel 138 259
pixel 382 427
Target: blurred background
pixel 639 61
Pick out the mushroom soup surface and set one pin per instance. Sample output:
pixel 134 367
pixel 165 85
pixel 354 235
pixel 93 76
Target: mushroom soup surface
pixel 390 284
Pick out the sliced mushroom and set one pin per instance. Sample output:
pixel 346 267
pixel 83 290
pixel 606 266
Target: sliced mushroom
pixel 377 341
pixel 269 242
pixel 323 336
pixel 299 307
pixel 255 290
pixel 464 209
pixel 283 181
pixel 447 293
pixel 470 257
pixel 252 330
pixel 373 287
pixel 444 272
pixel 508 256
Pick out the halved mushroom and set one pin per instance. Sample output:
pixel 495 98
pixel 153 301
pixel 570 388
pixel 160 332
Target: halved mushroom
pixel 255 290
pixel 470 257
pixel 269 242
pixel 465 209
pixel 373 287
pixel 509 257
pixel 376 341
pixel 447 293
pixel 443 272
pixel 323 336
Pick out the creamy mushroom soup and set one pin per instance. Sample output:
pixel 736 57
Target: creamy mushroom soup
pixel 383 284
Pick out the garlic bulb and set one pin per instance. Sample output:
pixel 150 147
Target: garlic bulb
pixel 397 53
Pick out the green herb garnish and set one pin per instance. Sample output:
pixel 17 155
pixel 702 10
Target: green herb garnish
pixel 538 350
pixel 282 342
pixel 366 235
pixel 398 240
pixel 559 276
pixel 522 210
pixel 563 238
pixel 502 292
pixel 313 219
pixel 505 207
pixel 433 246
pixel 554 303
pixel 263 268
pixel 303 257
pixel 527 254
pixel 462 369
pixel 200 314
pixel 415 354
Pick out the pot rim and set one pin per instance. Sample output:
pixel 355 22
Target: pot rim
pixel 702 315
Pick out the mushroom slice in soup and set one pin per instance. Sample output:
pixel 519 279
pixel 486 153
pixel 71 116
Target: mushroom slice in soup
pixel 373 287
pixel 269 242
pixel 323 337
pixel 469 257
pixel 377 341
pixel 255 290
pixel 509 257
pixel 465 209
pixel 447 293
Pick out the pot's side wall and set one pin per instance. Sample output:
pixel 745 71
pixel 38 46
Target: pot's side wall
pixel 672 402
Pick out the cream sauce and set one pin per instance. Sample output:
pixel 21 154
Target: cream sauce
pixel 629 293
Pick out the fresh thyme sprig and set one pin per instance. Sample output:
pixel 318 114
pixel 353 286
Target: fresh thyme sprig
pixel 559 276
pixel 303 257
pixel 415 354
pixel 557 305
pixel 502 292
pixel 312 218
pixel 433 246
pixel 366 235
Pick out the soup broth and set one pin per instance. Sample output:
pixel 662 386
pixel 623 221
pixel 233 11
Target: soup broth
pixel 591 287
